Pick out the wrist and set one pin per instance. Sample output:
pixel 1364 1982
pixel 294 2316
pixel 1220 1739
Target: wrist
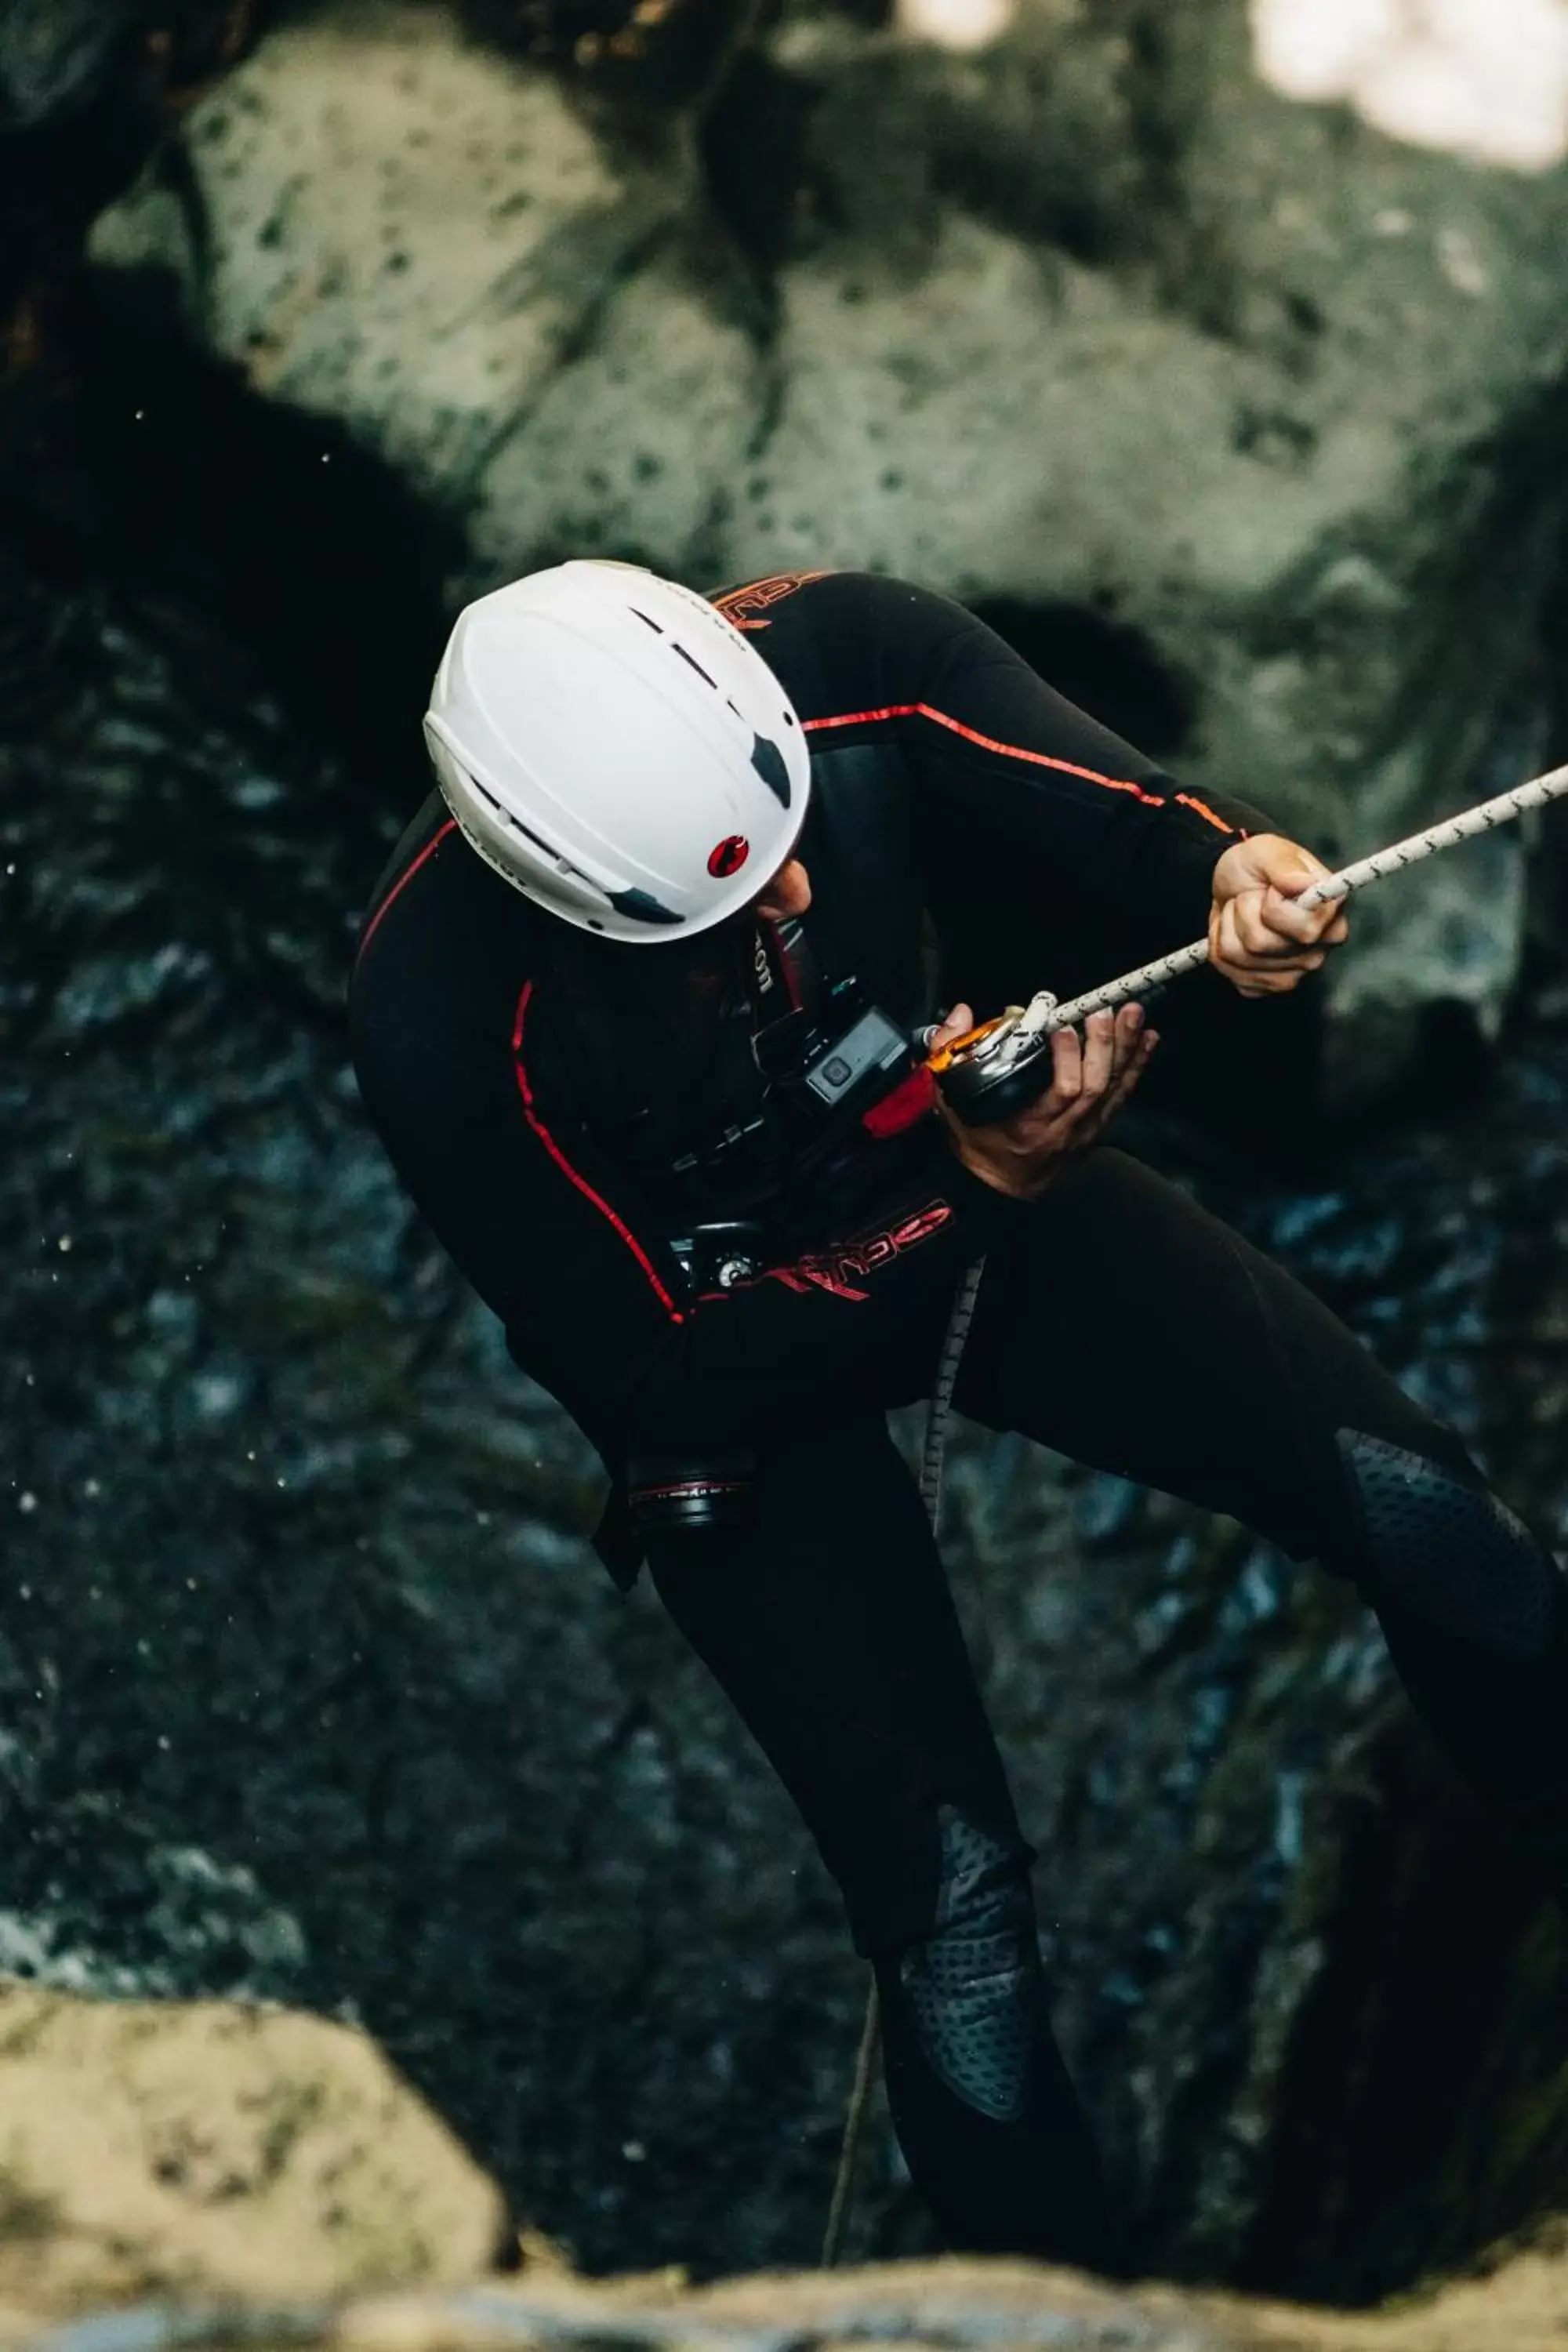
pixel 1004 1182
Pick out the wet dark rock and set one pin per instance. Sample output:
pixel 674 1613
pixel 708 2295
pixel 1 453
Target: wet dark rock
pixel 88 90
pixel 312 1686
pixel 54 57
pixel 308 1682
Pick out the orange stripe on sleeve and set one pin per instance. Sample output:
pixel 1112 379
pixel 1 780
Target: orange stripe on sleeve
pixel 1202 810
pixel 986 743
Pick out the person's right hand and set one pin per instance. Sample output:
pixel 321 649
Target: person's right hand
pixel 1090 1081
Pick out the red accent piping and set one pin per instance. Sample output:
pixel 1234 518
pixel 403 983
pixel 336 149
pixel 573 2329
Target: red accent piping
pixel 403 878
pixel 631 1239
pixel 986 743
pixel 1204 810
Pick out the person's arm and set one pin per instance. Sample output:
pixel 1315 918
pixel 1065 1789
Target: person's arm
pixel 1000 748
pixel 1023 802
pixel 1052 849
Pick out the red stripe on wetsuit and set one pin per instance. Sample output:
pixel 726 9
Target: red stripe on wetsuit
pixel 1011 751
pixel 574 1175
pixel 409 871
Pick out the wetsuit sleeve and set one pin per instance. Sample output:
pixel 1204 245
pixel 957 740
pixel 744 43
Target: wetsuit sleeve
pixel 555 1240
pixel 1023 799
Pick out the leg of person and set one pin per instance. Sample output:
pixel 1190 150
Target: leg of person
pixel 830 1626
pixel 1131 1329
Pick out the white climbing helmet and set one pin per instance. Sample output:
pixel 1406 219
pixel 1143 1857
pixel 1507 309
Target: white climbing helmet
pixel 617 750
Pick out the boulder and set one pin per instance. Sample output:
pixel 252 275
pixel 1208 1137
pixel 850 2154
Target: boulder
pixel 313 1689
pixel 1093 318
pixel 310 1687
pixel 941 2306
pixel 155 2147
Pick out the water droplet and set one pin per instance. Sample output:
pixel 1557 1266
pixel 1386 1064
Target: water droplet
pixel 28 1502
pixel 65 1241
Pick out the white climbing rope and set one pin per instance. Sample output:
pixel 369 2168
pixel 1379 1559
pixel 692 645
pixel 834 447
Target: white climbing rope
pixel 1043 1014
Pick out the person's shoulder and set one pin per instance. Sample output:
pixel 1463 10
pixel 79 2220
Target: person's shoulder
pixel 759 606
pixel 833 632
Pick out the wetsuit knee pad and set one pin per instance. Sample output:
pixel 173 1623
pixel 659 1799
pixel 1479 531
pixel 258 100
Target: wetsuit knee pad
pixel 993 2132
pixel 973 1985
pixel 1437 1541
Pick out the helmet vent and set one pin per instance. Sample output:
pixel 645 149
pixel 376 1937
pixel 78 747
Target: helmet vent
pixel 769 763
pixel 641 906
pixel 652 624
pixel 507 817
pixel 697 665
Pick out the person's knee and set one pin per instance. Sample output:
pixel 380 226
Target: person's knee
pixel 1430 1537
pixel 972 1986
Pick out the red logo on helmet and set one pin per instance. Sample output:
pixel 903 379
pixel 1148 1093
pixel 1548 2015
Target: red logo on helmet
pixel 730 857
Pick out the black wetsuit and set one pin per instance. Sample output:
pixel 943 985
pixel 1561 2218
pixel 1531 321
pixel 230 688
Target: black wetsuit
pixel 970 834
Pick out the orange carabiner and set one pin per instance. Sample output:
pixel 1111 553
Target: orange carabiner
pixel 944 1056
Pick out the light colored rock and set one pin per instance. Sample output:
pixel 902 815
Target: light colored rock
pixel 405 232
pixel 1292 423
pixel 948 2306
pixel 1290 466
pixel 214 2148
pixel 1484 77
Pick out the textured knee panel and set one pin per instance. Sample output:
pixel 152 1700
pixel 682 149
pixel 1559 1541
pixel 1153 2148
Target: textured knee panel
pixel 1450 1552
pixel 974 1986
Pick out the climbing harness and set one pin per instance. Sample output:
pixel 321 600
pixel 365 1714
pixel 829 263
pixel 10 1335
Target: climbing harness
pixel 990 1073
pixel 993 1070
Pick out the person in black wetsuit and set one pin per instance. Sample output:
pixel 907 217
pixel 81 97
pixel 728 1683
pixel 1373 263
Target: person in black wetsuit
pixel 586 1068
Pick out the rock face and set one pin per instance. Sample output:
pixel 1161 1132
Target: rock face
pixel 1094 319
pixel 150 2150
pixel 950 2306
pixel 310 1688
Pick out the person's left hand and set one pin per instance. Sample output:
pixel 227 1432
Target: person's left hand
pixel 1259 938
